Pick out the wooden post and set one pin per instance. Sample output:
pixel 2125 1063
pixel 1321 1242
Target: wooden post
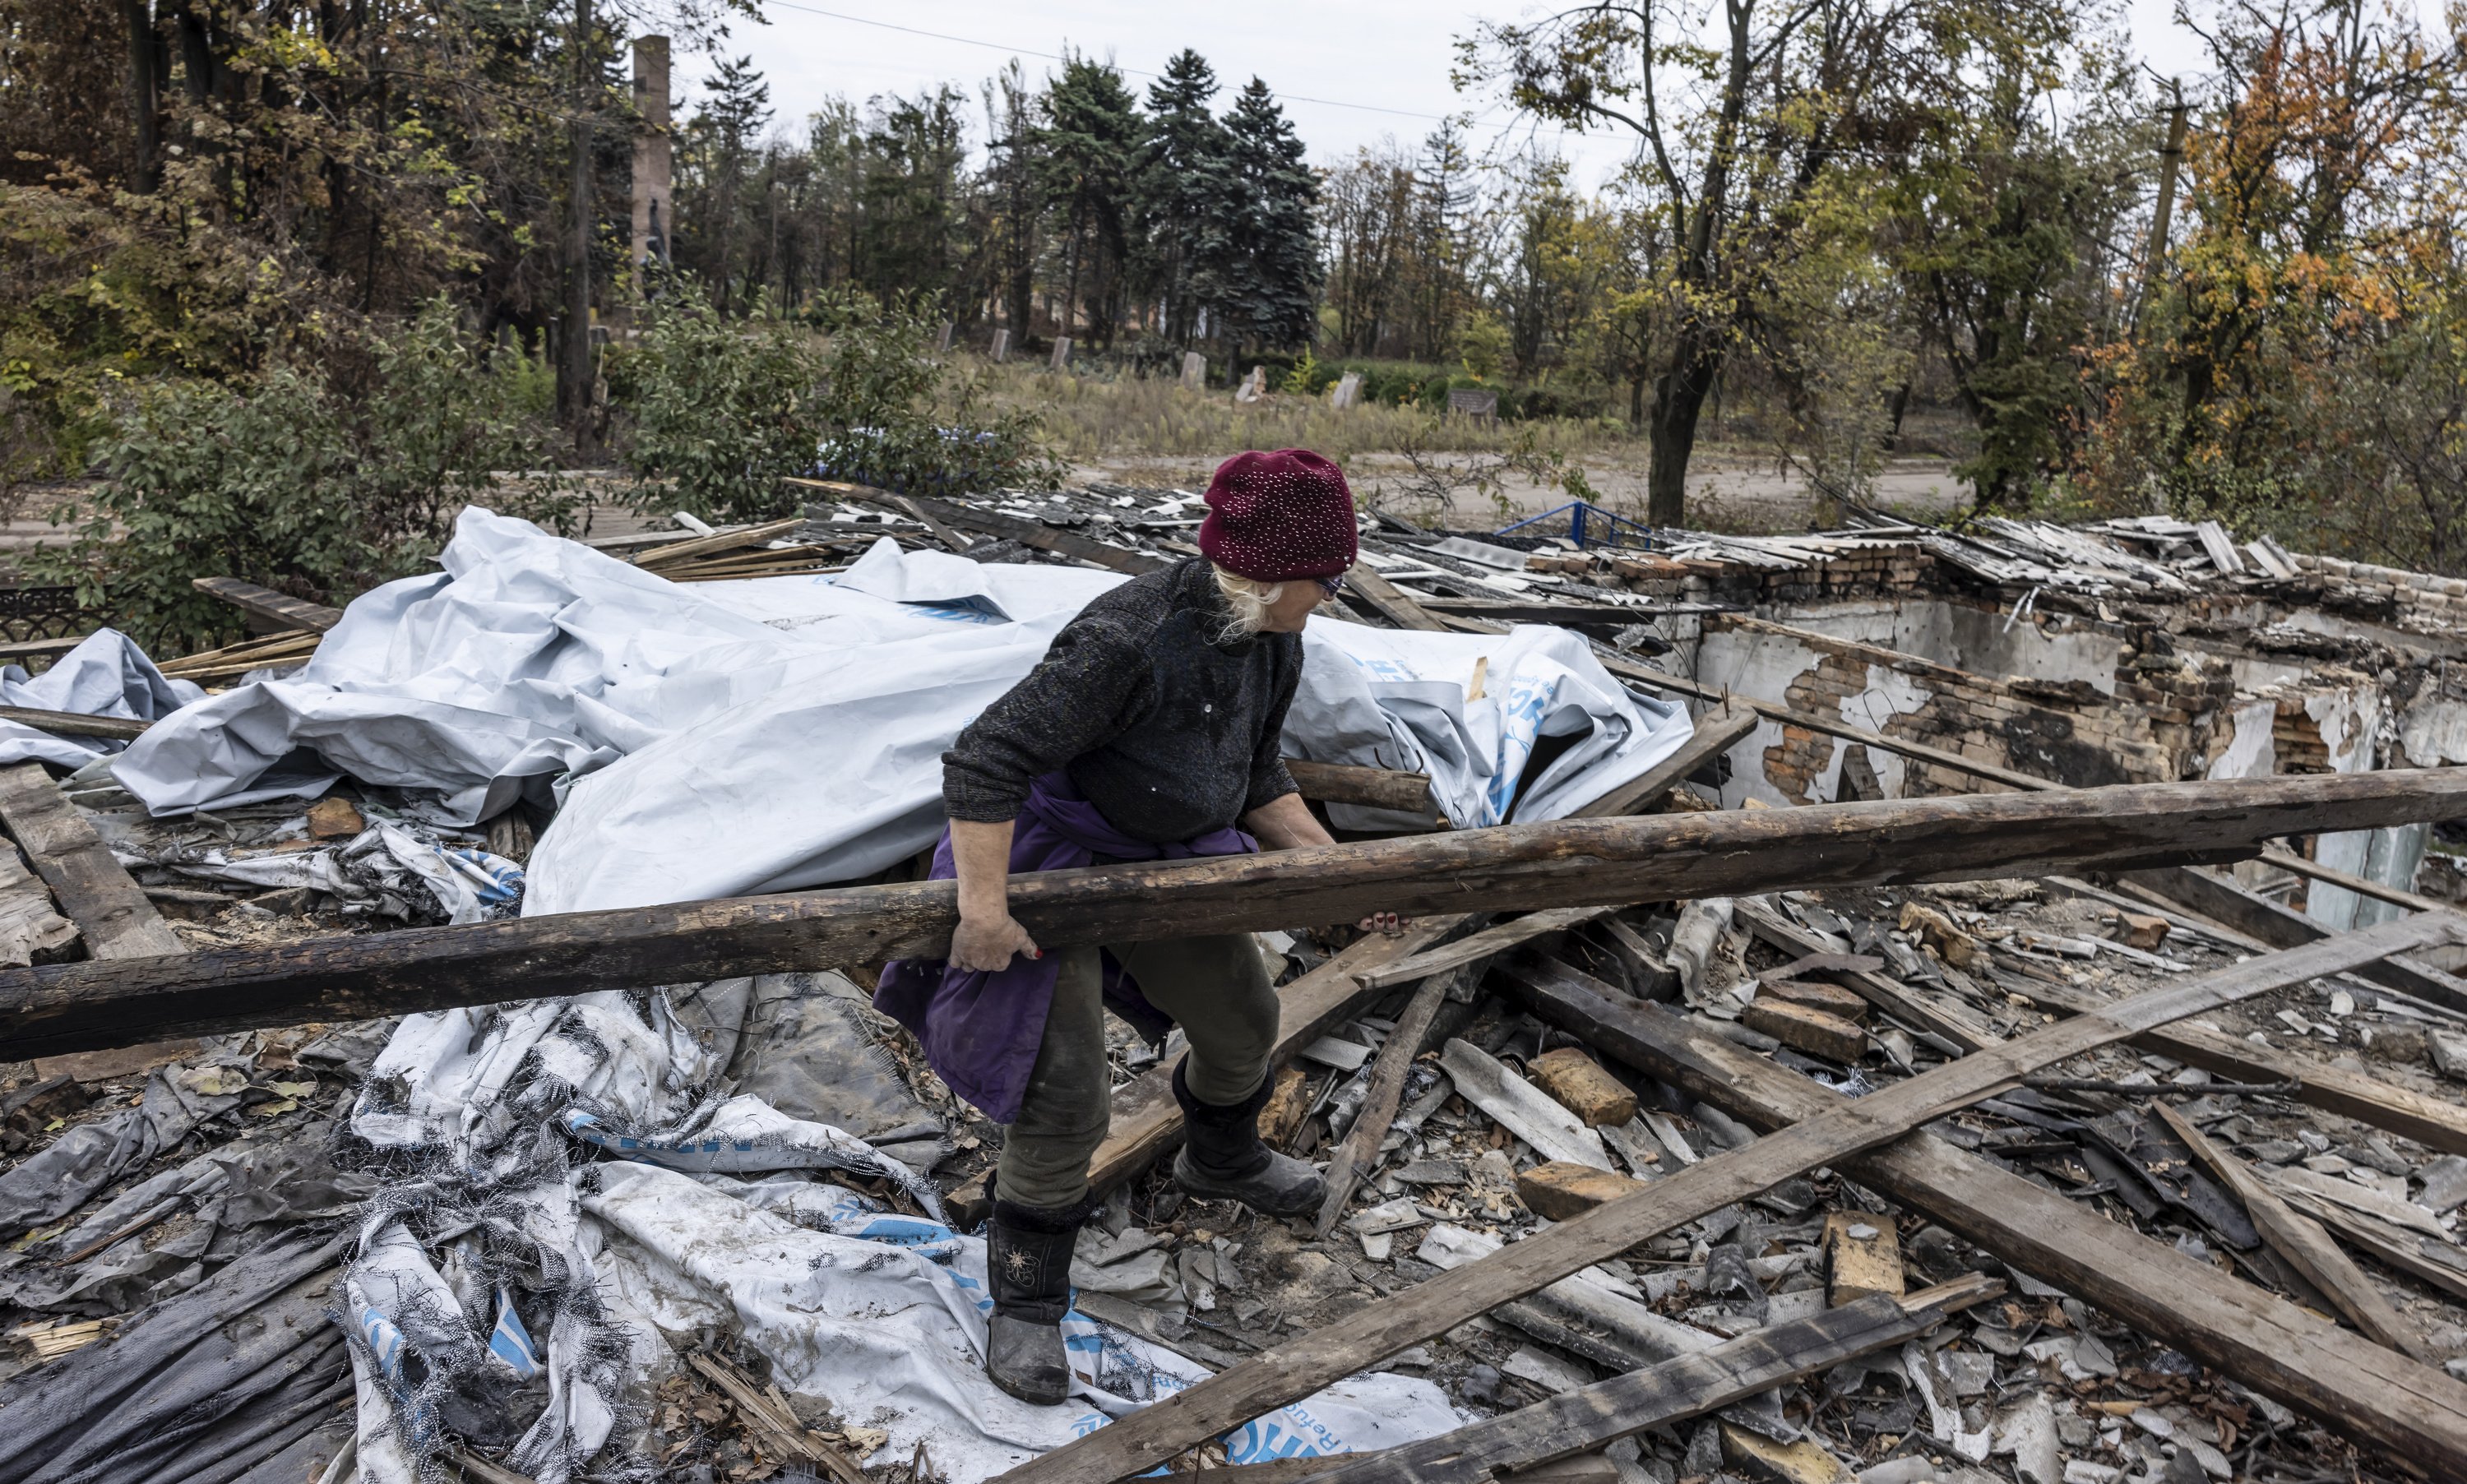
pixel 1062 360
pixel 1001 351
pixel 2163 216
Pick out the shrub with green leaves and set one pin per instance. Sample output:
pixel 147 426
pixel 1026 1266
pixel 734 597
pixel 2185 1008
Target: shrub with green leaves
pixel 290 482
pixel 720 410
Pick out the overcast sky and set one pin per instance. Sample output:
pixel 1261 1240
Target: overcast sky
pixel 1348 71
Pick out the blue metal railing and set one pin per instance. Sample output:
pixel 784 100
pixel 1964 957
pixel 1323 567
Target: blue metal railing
pixel 1611 529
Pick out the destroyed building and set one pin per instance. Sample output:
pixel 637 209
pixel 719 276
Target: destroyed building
pixel 2098 1166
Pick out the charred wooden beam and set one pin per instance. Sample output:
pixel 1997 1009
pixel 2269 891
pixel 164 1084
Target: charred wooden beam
pixel 70 1008
pixel 1143 1441
pixel 2290 1354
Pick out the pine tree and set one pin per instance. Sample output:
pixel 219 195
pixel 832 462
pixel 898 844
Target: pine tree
pixel 1185 163
pixel 1260 271
pixel 725 128
pixel 1089 143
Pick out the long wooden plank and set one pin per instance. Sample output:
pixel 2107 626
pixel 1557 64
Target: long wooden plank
pixel 1689 1385
pixel 2432 1121
pixel 73 724
pixel 1716 732
pixel 280 608
pixel 661 558
pixel 1360 1146
pixel 66 1008
pixel 2290 1353
pixel 1393 602
pixel 2279 926
pixel 1347 783
pixel 1479 945
pixel 1566 863
pixel 890 500
pixel 1147 1121
pixel 1148 1438
pixel 2290 860
pixel 2302 1241
pixel 92 890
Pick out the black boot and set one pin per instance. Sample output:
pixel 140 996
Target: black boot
pixel 1223 1158
pixel 1028 1265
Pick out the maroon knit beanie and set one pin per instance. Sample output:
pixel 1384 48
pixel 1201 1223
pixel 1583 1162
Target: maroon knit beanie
pixel 1280 516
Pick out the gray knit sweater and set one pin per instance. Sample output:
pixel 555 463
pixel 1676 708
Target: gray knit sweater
pixel 1169 733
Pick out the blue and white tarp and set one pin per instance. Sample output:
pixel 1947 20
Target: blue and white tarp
pixel 716 739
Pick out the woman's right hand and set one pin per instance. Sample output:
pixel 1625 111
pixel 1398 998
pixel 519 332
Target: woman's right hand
pixel 987 944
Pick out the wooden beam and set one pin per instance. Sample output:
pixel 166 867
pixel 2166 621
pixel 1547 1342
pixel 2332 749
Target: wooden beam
pixel 73 724
pixel 662 558
pixel 1145 1439
pixel 71 1007
pixel 2287 1353
pixel 1393 602
pixel 108 905
pixel 1359 1149
pixel 1561 610
pixel 890 500
pixel 1349 783
pixel 276 608
pixel 2280 927
pixel 1045 538
pixel 1689 1385
pixel 1480 945
pixel 1716 732
pixel 2290 860
pixel 2302 1241
pixel 1147 1120
pixel 2436 1122
pixel 1619 665
pixel 240 659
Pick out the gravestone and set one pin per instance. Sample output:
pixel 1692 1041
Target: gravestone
pixel 1062 353
pixel 1195 371
pixel 942 343
pixel 1253 387
pixel 1347 391
pixel 1001 351
pixel 1474 403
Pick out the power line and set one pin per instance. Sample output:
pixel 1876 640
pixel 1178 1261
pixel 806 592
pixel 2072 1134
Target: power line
pixel 1051 57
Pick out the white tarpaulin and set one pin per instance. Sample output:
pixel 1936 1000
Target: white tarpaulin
pixel 734 737
pixel 106 675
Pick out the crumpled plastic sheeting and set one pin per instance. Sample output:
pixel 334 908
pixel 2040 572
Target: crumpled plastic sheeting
pixel 183 1392
pixel 57 1179
pixel 1470 709
pixel 885 1316
pixel 405 871
pixel 108 675
pixel 529 657
pixel 689 723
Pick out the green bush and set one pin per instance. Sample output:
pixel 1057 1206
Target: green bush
pixel 721 411
pixel 287 481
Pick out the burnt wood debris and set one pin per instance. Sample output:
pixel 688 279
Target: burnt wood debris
pixel 2018 1034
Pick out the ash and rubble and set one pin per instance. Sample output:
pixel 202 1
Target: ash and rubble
pixel 158 1211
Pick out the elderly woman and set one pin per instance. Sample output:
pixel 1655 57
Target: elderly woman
pixel 1149 731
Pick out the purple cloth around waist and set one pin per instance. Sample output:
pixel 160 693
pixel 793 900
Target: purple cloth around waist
pixel 981 1030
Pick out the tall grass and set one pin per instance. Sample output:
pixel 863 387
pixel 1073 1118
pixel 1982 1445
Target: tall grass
pixel 1092 416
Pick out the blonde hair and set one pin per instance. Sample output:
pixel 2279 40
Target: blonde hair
pixel 1248 599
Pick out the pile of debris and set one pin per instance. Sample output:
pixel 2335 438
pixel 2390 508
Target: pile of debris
pixel 1730 1152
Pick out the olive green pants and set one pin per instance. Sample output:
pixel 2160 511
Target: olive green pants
pixel 1215 988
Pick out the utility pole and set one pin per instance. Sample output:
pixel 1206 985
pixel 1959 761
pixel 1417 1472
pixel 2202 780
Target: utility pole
pixel 573 376
pixel 2171 158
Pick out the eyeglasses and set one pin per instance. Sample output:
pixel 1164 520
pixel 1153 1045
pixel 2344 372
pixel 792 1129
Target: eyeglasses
pixel 1330 586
